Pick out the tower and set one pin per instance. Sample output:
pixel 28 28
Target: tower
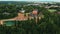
pixel 21 15
pixel 35 15
pixel 22 10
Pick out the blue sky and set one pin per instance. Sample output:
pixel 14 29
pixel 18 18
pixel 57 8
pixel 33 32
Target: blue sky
pixel 32 0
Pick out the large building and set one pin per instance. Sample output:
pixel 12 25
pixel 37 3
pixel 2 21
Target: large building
pixel 23 16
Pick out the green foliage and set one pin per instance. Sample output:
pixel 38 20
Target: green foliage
pixel 50 24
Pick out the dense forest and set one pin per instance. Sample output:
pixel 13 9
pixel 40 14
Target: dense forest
pixel 50 24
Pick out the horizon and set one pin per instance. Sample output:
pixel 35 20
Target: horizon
pixel 34 0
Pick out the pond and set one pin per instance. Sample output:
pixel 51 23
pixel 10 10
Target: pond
pixel 9 23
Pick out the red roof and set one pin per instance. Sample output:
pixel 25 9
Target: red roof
pixel 35 12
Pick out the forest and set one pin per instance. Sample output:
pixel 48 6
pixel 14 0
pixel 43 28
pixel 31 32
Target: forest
pixel 50 24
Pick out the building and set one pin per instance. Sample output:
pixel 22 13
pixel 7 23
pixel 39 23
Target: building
pixel 20 17
pixel 23 16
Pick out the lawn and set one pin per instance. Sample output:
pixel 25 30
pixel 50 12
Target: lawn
pixel 51 10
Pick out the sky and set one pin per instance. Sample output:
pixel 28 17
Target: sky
pixel 32 0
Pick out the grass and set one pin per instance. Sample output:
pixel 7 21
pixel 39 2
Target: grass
pixel 51 10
